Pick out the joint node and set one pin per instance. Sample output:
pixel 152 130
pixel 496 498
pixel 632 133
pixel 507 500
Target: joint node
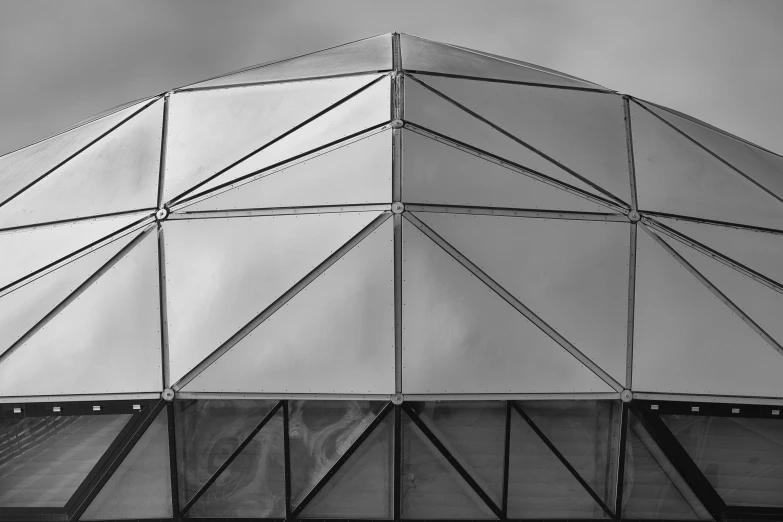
pixel 167 395
pixel 626 396
pixel 162 214
pixel 397 124
pixel 396 399
pixel 397 208
pixel 634 216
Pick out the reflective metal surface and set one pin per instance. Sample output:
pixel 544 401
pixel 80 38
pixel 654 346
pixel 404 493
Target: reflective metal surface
pixel 368 108
pixel 675 176
pixel 583 130
pixel 461 337
pixel 572 274
pixel 688 341
pixel 141 485
pixel 118 173
pixel 24 166
pixel 335 336
pixel 436 173
pixel 353 173
pixel 223 272
pixel 210 130
pixel 43 460
pixel 419 54
pixel 425 108
pixel 371 54
pixel 106 341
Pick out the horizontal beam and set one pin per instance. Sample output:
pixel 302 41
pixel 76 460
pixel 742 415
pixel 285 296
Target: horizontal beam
pixel 492 211
pixel 282 211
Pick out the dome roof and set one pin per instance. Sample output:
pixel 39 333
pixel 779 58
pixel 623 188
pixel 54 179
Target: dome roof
pixel 393 215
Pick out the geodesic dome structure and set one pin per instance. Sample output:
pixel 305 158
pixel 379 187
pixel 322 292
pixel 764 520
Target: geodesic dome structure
pixel 395 279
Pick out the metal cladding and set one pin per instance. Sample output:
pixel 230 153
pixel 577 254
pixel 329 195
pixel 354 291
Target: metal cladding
pixel 431 237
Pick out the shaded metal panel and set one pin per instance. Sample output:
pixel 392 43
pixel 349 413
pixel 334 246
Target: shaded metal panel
pixel 419 54
pixel 335 336
pixel 585 131
pixel 23 167
pixel 436 173
pixel 223 272
pixel 572 274
pixel 106 341
pixel 118 173
pixel 355 172
pixel 433 112
pixel 211 130
pixel 676 176
pixel 362 111
pixel 687 341
pixel 370 54
pixel 460 337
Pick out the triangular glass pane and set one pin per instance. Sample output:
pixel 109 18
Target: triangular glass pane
pixel 248 118
pixel 741 457
pixel 425 108
pixel 419 54
pixel 207 433
pixel 229 270
pixel 141 486
pixel 539 485
pixel 320 432
pixel 28 250
pixel 474 432
pixel 356 172
pixel 45 459
pixel 253 485
pixel 585 131
pixel 368 55
pixel 436 173
pixel 430 487
pixel 119 173
pixel 22 167
pixel 762 166
pixel 367 109
pixel 113 325
pixel 362 487
pixel 335 336
pixel 586 433
pixel 22 308
pixel 676 176
pixel 461 337
pixel 652 487
pixel 759 251
pixel 572 274
pixel 680 324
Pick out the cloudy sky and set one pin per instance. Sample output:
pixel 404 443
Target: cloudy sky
pixel 62 61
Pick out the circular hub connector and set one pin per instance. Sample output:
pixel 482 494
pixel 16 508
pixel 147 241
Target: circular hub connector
pixel 397 207
pixel 167 395
pixel 396 399
pixel 634 216
pixel 396 124
pixel 626 396
pixel 162 214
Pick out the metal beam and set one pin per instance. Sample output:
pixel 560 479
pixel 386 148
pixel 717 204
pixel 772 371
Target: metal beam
pixel 511 212
pixel 164 138
pixel 281 211
pixel 164 321
pixel 511 82
pixel 631 308
pixel 629 147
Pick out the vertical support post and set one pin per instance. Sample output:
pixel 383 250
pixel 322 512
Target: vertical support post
pixel 631 308
pixel 164 320
pixel 397 486
pixel 163 144
pixel 397 113
pixel 173 461
pixel 629 146
pixel 287 461
pixel 507 453
pixel 618 506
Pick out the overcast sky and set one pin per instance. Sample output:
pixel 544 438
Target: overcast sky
pixel 61 61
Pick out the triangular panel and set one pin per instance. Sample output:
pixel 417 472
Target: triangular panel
pixel 430 487
pixel 687 341
pixel 22 167
pixel 229 270
pixel 419 54
pixel 113 326
pixel 27 250
pixel 210 130
pixel 539 485
pixel 141 486
pixel 367 109
pixel 759 251
pixel 572 274
pixel 676 176
pixel 368 55
pixel 437 173
pixel 461 337
pixel 119 173
pixel 652 487
pixel 585 131
pixel 356 172
pixel 253 484
pixel 425 108
pixel 335 336
pixel 22 308
pixel 362 487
